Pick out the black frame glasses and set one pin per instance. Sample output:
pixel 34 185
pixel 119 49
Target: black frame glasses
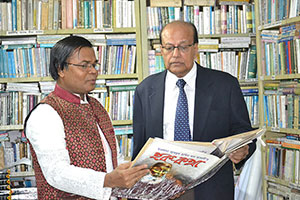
pixel 86 65
pixel 182 48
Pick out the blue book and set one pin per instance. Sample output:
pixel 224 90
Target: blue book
pixel 43 62
pixel 117 58
pixel 24 56
pixel 30 61
pixel 1 63
pixel 120 55
pixel 159 18
pixel 126 41
pixel 93 21
pixel 14 14
pixel 87 8
pixel 11 65
pixel 5 64
pixel 267 59
pixel 266 112
pixel 171 12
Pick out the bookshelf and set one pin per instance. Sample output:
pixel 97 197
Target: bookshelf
pixel 213 46
pixel 278 85
pixel 105 21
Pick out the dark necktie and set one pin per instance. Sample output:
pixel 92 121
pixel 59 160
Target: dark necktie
pixel 182 127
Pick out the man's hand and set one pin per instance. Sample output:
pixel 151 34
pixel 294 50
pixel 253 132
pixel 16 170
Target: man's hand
pixel 125 176
pixel 239 154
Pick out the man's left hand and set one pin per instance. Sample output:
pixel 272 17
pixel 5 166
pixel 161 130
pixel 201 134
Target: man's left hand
pixel 239 154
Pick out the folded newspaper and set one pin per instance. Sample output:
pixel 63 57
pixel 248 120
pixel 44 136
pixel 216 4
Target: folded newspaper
pixel 177 166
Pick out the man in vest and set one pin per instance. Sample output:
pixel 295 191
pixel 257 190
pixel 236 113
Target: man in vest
pixel 71 136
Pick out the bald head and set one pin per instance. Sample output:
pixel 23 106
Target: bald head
pixel 180 26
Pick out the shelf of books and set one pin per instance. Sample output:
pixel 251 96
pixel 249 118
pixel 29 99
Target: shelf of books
pixel 28 31
pixel 278 58
pixel 226 32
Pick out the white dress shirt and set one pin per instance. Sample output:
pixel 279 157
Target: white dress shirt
pixel 45 131
pixel 171 96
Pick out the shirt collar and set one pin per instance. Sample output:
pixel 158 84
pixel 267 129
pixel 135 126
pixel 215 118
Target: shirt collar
pixel 189 78
pixel 71 97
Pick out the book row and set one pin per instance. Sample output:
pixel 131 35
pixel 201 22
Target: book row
pixel 281 107
pixel 20 62
pixel 252 106
pixel 125 142
pixel 14 149
pixel 240 64
pixel 281 192
pixel 65 14
pixel 273 11
pixel 282 159
pixel 280 53
pixel 224 19
pixel 121 102
pixel 15 105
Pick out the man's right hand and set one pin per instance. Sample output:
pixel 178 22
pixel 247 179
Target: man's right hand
pixel 125 176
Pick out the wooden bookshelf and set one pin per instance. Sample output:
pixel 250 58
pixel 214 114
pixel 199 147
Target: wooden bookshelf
pixel 112 30
pixel 277 131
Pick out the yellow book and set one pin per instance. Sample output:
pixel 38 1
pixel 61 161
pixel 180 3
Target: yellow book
pixel 165 3
pixel 50 15
pixel 19 15
pixel 45 14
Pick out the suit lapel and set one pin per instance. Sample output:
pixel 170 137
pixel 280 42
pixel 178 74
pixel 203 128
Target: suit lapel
pixel 156 99
pixel 203 98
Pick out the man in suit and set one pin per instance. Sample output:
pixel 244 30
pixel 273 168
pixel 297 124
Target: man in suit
pixel 216 106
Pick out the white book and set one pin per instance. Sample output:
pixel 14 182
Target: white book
pixel 99 13
pixel 24 25
pixel 39 15
pixel 206 20
pixel 125 16
pixel 4 16
pixel 9 17
pixel 132 68
pixel 212 18
pixel 297 160
pixel 201 23
pixel 219 61
pixel 129 15
pixel 118 14
pixel 217 21
pixel 1 18
pixel 177 13
pixel 235 40
pixel 133 14
pixel 236 66
pixel 297 41
pixel 213 60
pixel 208 41
pixel 30 14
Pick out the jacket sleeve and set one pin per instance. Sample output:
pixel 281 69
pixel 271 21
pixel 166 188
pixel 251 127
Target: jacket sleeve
pixel 240 118
pixel 138 124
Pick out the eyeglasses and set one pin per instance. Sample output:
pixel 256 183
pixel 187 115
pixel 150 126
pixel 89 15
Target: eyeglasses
pixel 85 66
pixel 181 48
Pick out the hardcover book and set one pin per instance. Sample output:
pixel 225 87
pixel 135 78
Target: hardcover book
pixel 177 166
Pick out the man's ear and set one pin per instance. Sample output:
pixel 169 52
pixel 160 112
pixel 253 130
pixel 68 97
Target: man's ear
pixel 60 72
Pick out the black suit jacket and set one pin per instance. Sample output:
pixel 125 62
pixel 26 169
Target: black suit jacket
pixel 220 111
